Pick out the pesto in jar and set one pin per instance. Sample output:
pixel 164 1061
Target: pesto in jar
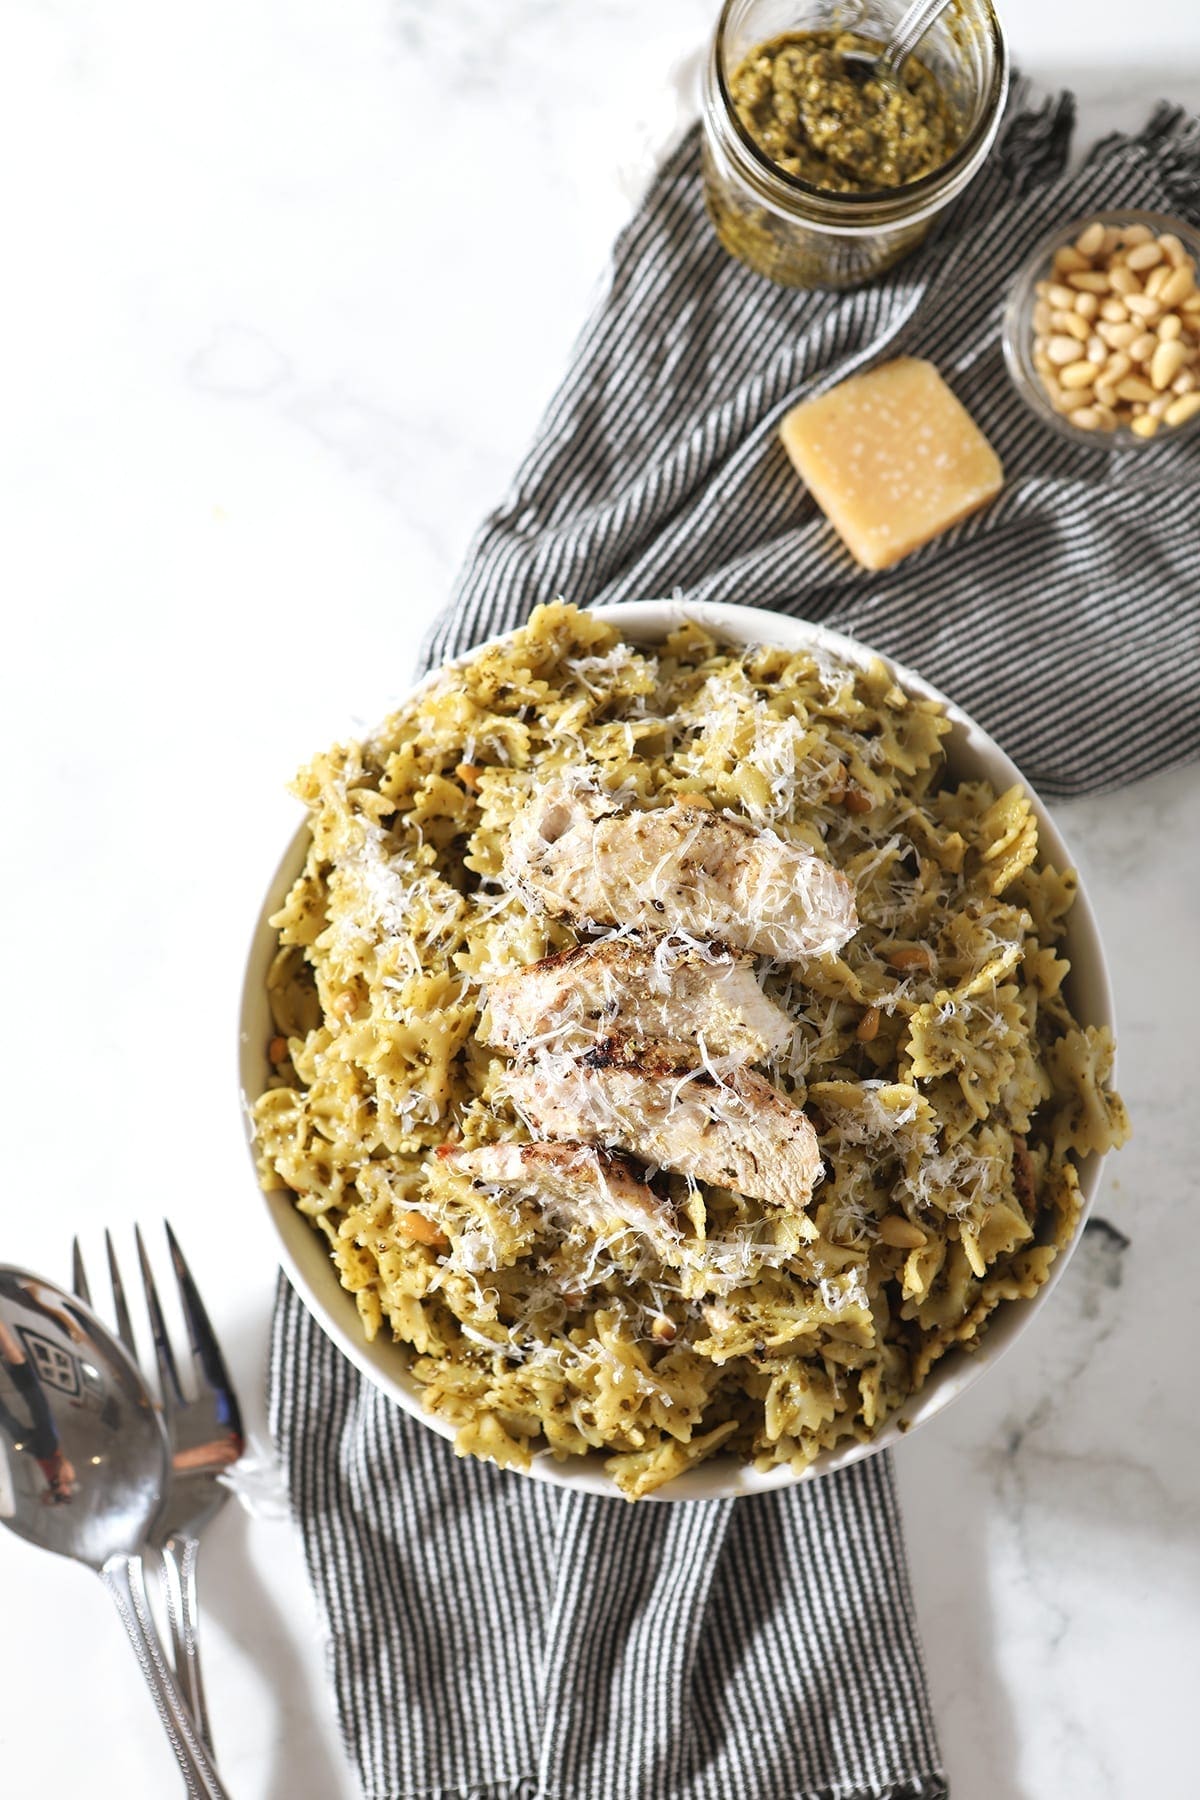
pixel 838 127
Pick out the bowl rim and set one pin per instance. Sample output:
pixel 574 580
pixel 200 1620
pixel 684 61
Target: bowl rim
pixel 307 1263
pixel 1016 326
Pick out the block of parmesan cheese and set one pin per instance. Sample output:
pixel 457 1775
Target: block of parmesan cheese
pixel 892 459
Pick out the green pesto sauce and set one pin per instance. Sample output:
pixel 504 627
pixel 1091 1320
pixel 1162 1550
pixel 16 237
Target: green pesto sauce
pixel 845 131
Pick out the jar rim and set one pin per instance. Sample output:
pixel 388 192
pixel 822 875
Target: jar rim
pixel 870 199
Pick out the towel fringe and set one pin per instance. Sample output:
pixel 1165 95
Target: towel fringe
pixel 1036 142
pixel 1171 137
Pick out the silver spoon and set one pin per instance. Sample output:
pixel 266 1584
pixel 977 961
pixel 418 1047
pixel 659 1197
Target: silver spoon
pixel 83 1471
pixel 910 28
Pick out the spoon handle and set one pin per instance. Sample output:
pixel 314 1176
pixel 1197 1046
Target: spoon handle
pixel 179 1580
pixel 123 1576
pixel 909 31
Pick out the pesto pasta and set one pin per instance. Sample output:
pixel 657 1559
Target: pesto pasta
pixel 935 1053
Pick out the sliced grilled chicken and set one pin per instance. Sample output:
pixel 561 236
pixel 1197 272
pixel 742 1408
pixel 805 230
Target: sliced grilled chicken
pixel 601 1189
pixel 736 1132
pixel 576 856
pixel 667 992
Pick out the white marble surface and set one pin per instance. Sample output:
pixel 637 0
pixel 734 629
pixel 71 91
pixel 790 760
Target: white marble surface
pixel 277 323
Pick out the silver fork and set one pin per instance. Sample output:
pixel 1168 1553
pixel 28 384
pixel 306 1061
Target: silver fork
pixel 205 1435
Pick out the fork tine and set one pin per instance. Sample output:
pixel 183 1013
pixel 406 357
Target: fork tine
pixel 168 1374
pixel 205 1348
pixel 79 1280
pixel 120 1307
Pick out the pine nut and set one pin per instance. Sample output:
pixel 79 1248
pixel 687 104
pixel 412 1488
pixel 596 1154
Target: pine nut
pixel 1165 364
pixel 1178 286
pixel 1062 350
pixel 868 1026
pixel 1144 255
pixel 1072 324
pixel 419 1230
pixel 1123 281
pixel 910 956
pixel 1116 330
pixel 1183 409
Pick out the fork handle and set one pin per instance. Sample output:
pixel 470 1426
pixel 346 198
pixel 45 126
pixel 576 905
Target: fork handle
pixel 179 1555
pixel 124 1578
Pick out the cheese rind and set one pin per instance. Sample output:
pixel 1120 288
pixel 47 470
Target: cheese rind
pixel 892 458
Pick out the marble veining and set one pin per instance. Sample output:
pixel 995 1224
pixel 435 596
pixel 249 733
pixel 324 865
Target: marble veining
pixel 287 288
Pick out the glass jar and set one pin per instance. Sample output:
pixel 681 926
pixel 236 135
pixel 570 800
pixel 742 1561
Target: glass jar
pixel 804 236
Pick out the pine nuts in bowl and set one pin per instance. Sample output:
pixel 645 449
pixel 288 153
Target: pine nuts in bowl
pixel 1102 330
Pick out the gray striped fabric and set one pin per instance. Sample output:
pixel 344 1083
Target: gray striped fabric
pixel 659 469
pixel 497 1639
pixel 493 1637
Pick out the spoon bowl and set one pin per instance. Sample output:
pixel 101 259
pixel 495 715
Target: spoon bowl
pixel 910 28
pixel 75 1396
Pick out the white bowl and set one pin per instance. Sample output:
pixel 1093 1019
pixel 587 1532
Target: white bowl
pixel 972 754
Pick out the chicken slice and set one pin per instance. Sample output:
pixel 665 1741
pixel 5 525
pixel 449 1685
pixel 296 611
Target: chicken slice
pixel 603 1190
pixel 669 992
pixel 735 1131
pixel 678 867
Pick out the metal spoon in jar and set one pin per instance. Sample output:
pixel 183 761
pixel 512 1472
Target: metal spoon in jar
pixel 83 1471
pixel 886 64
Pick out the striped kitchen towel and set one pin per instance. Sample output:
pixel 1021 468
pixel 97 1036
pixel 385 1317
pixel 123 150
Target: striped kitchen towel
pixel 493 1637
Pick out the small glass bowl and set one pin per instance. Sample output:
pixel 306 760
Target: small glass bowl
pixel 1018 333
